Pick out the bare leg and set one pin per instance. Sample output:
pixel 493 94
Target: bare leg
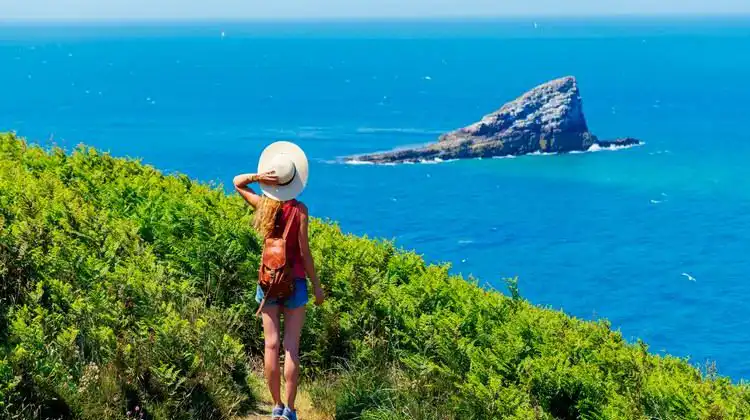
pixel 293 320
pixel 271 327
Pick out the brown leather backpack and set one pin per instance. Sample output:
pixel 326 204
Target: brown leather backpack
pixel 275 274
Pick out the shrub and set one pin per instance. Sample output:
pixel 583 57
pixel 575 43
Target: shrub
pixel 95 322
pixel 121 287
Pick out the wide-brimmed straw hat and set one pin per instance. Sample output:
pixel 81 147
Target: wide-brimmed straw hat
pixel 289 164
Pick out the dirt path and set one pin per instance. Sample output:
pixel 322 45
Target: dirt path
pixel 305 408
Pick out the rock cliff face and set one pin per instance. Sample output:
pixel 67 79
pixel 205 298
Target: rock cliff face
pixel 547 119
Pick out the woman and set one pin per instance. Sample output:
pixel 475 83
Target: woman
pixel 282 175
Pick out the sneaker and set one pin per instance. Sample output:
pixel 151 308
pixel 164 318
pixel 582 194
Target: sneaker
pixel 278 412
pixel 289 414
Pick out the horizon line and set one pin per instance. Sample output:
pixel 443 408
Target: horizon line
pixel 355 18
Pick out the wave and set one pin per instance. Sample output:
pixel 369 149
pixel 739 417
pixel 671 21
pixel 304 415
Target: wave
pixel 311 131
pixel 308 132
pixel 421 161
pixel 397 130
pixel 598 148
pixel 364 162
pixel 688 276
pixel 316 128
pixel 436 160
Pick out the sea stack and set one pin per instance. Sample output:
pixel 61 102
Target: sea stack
pixel 546 119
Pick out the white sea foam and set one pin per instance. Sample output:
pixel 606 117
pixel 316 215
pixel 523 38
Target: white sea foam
pixel 315 128
pixel 538 153
pixel 396 130
pixel 306 132
pixel 593 148
pixel 689 277
pixel 436 161
pixel 465 241
pixel 612 148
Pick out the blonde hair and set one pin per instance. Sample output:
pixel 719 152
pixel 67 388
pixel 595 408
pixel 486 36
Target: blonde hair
pixel 264 220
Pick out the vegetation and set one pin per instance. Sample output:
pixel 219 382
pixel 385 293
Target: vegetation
pixel 127 293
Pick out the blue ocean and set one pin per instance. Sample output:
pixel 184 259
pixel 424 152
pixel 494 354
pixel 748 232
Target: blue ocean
pixel 654 238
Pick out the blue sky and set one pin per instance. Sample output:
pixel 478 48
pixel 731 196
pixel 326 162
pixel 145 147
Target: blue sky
pixel 316 9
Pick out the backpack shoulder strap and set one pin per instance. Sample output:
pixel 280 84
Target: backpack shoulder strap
pixel 289 222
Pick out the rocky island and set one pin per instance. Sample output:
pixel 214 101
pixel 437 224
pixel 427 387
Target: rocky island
pixel 546 119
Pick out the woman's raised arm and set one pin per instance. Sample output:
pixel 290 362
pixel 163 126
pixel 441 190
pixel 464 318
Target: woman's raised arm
pixel 241 183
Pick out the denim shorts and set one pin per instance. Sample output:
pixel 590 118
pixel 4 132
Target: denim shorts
pixel 298 299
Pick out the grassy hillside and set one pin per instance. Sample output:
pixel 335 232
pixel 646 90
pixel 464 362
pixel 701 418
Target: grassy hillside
pixel 123 287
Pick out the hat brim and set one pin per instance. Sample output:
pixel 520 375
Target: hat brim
pixel 297 155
